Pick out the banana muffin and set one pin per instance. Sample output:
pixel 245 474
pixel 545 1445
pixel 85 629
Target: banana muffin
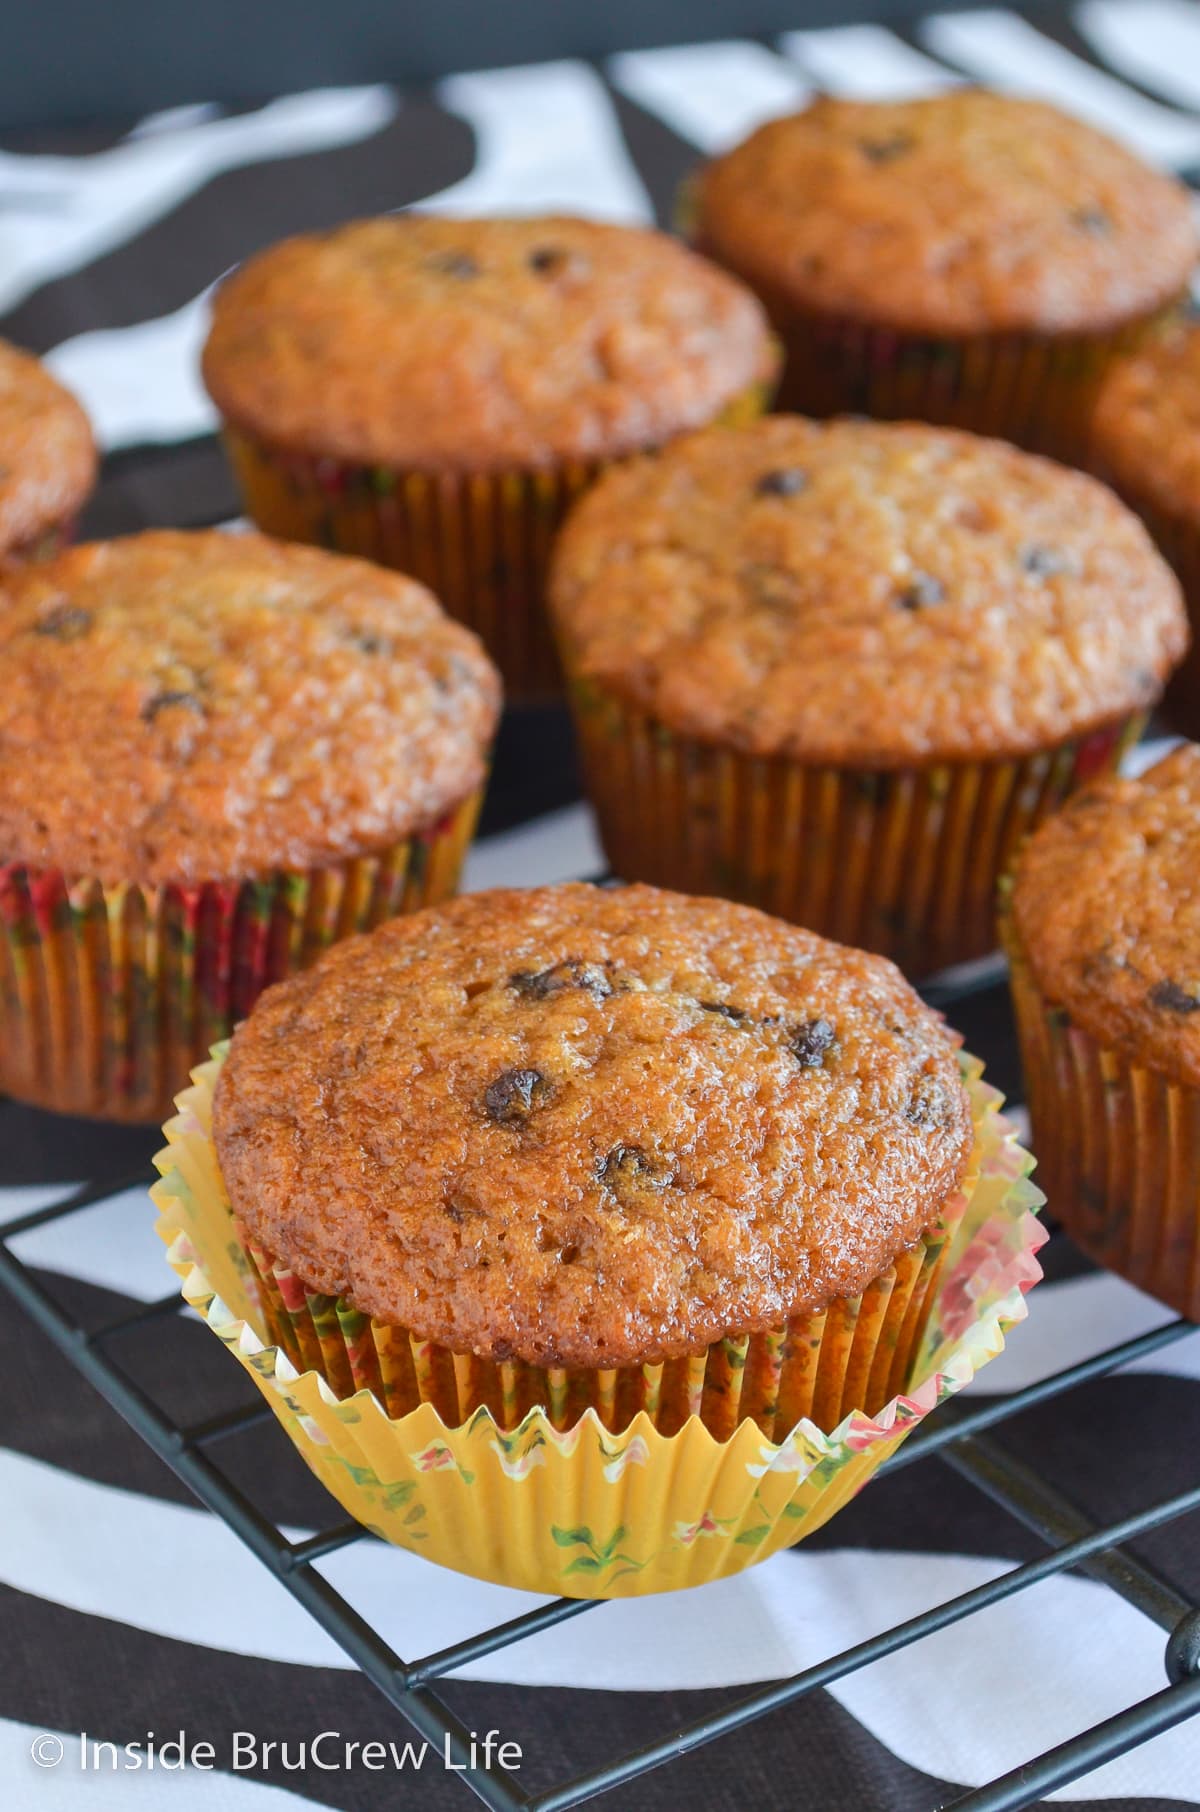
pixel 838 669
pixel 47 458
pixel 432 392
pixel 575 1132
pixel 216 754
pixel 1103 929
pixel 1145 442
pixel 971 258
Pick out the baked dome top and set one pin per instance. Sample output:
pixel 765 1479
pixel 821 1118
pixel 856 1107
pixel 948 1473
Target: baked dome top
pixel 590 1126
pixel 204 706
pixel 47 455
pixel 475 345
pixel 963 213
pixel 875 593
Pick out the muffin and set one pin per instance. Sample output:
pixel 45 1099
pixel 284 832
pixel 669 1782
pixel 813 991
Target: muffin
pixel 217 753
pixel 970 259
pixel 581 1162
pixel 838 669
pixel 1103 931
pixel 432 393
pixel 47 458
pixel 1145 442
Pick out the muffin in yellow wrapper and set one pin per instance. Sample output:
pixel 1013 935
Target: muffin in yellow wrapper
pixel 587 1510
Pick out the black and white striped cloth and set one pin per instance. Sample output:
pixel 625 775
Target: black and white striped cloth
pixel 128 1609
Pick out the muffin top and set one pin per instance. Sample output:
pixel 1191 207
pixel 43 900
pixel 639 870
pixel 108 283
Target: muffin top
pixel 1106 903
pixel 877 594
pixel 480 344
pixel 191 707
pixel 47 456
pixel 1146 425
pixel 590 1126
pixel 965 213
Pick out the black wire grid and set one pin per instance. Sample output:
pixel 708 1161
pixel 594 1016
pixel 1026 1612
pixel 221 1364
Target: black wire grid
pixel 959 1438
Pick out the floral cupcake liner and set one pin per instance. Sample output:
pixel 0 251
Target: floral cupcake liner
pixel 902 861
pixel 480 541
pixel 110 993
pixel 1118 1145
pixel 562 1502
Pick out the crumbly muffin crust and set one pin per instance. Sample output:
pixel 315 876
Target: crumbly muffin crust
pixel 870 593
pixel 1146 425
pixel 202 706
pixel 476 345
pixel 47 455
pixel 590 1126
pixel 968 212
pixel 1106 906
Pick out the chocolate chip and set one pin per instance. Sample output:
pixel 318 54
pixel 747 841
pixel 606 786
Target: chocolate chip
pixel 1172 998
pixel 548 260
pixel 628 1167
pixel 923 590
pixel 1045 562
pixel 540 984
pixel 513 1096
pixel 883 150
pixel 771 587
pixel 64 623
pixel 787 481
pixel 368 643
pixel 929 1103
pixel 169 701
pixel 726 1009
pixel 1091 220
pixel 454 264
pixel 808 1043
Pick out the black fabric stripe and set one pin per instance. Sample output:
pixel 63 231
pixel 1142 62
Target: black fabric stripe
pixel 813 1753
pixel 185 485
pixel 41 1148
pixel 663 159
pixel 422 150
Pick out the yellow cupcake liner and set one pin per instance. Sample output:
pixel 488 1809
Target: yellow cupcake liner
pixel 901 861
pixel 1118 1145
pixel 109 993
pixel 481 541
pixel 584 1509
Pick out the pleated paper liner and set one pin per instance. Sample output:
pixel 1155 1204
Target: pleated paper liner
pixel 480 542
pixel 585 1509
pixel 1036 390
pixel 110 994
pixel 1118 1146
pixel 902 861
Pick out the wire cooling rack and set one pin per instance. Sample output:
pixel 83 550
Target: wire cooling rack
pixel 959 1438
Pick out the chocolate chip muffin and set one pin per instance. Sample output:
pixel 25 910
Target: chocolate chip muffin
pixel 1145 442
pixel 971 258
pixel 47 458
pixel 838 669
pixel 216 754
pixel 431 393
pixel 1103 930
pixel 575 1131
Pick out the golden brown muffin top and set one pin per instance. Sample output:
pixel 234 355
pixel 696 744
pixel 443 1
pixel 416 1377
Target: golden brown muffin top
pixel 473 345
pixel 1106 903
pixel 1146 425
pixel 968 212
pixel 47 455
pixel 879 594
pixel 190 707
pixel 590 1126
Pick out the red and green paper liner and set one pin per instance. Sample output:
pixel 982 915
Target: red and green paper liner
pixel 1118 1145
pixel 109 994
pixel 591 1505
pixel 481 541
pixel 902 861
